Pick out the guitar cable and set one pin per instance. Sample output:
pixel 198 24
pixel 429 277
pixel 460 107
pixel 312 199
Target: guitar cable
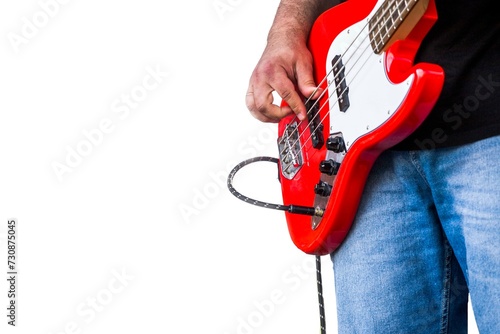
pixel 289 208
pixel 298 209
pixel 322 319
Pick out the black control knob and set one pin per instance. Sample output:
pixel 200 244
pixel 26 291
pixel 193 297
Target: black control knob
pixel 335 144
pixel 323 189
pixel 329 167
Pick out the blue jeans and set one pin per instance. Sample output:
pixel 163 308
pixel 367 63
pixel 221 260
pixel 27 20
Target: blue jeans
pixel 426 234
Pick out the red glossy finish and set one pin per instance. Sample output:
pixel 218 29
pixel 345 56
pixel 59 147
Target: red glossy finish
pixel 349 183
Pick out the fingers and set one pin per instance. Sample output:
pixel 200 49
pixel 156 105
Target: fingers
pixel 305 81
pixel 261 104
pixel 260 100
pixel 294 101
pixel 289 73
pixel 260 113
pixel 262 107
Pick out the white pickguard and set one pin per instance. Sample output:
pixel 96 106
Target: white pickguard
pixel 373 98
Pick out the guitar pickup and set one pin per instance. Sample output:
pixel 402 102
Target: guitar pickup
pixel 315 125
pixel 340 83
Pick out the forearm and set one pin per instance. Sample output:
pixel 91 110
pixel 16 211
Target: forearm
pixel 296 17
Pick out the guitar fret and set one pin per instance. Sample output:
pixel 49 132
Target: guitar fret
pixel 400 15
pixel 386 21
pixel 395 15
pixel 375 35
pixel 408 7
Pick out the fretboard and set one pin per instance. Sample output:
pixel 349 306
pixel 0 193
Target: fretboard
pixel 393 20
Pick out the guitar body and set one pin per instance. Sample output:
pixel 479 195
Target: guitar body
pixel 372 101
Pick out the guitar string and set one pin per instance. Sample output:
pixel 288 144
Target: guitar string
pixel 322 94
pixel 325 78
pixel 286 208
pixel 318 258
pixel 387 34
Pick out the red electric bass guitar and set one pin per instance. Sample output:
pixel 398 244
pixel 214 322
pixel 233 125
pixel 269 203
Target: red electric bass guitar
pixel 373 97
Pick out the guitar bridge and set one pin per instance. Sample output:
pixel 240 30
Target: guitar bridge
pixel 290 151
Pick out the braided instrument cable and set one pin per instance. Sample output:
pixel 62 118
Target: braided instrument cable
pixel 290 208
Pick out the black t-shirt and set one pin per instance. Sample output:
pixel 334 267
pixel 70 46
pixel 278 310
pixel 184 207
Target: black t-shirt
pixel 465 42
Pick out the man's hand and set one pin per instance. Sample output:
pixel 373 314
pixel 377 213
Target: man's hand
pixel 286 66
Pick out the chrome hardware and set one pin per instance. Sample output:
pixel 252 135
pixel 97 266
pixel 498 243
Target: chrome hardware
pixel 290 151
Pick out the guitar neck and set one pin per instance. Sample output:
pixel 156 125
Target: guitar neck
pixel 394 20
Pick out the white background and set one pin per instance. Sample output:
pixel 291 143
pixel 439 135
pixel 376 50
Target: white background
pixel 139 234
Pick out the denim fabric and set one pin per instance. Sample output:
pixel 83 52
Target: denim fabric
pixel 427 232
